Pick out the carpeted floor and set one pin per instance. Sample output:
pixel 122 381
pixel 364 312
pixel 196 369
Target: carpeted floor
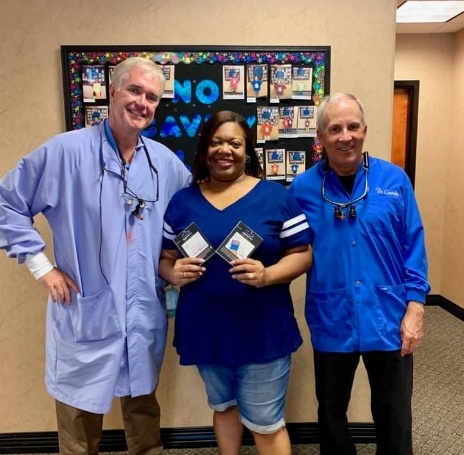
pixel 296 450
pixel 438 402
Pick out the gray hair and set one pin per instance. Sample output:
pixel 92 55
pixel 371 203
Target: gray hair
pixel 121 70
pixel 331 99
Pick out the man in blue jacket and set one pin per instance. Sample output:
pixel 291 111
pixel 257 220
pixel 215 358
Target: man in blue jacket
pixel 367 288
pixel 103 191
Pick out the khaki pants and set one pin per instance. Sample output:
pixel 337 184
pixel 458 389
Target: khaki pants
pixel 79 431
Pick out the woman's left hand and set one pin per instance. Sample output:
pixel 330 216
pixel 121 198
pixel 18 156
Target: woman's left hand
pixel 249 271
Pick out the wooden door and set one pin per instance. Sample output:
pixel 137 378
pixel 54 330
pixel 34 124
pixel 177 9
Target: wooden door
pixel 404 134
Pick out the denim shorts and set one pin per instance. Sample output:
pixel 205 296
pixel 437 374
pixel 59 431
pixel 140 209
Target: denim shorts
pixel 258 390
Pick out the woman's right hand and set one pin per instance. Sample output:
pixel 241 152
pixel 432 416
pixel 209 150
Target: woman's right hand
pixel 187 270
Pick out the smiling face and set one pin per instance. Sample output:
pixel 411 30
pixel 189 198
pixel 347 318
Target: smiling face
pixel 134 104
pixel 343 135
pixel 227 153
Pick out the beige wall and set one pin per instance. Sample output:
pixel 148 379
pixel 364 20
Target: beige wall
pixel 437 62
pixel 31 109
pixel 453 238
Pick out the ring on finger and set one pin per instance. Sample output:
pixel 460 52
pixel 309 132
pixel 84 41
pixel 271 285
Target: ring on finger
pixel 251 275
pixel 183 274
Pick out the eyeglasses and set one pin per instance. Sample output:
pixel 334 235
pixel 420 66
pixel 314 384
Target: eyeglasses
pixel 129 195
pixel 339 208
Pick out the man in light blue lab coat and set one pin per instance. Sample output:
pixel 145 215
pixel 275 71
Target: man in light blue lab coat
pixel 103 191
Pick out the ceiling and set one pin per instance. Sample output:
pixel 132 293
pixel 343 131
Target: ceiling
pixel 452 26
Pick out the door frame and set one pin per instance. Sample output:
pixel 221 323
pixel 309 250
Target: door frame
pixel 412 88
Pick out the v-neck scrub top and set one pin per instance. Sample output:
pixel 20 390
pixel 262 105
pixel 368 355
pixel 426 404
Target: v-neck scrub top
pixel 220 320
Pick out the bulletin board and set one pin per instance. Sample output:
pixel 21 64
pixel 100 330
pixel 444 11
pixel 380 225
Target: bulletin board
pixel 277 90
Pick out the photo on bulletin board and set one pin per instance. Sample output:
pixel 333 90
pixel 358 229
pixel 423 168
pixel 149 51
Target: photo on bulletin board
pixel 257 82
pixel 93 83
pixel 267 85
pixel 295 164
pixel 94 115
pixel 169 75
pixel 275 164
pixel 301 82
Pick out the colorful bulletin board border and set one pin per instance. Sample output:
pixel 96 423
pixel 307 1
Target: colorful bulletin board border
pixel 73 57
pixel 203 80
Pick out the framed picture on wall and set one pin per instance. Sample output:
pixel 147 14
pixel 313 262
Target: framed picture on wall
pixel 201 80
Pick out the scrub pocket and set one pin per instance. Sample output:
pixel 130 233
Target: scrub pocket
pixel 330 309
pixel 390 304
pixel 94 318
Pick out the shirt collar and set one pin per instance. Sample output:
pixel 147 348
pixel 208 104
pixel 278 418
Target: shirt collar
pixel 110 136
pixel 112 141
